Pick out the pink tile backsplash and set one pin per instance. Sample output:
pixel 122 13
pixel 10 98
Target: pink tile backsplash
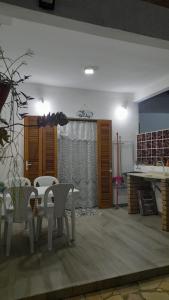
pixel 153 146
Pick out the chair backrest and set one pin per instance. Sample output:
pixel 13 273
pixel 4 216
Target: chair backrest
pixel 18 198
pixel 60 194
pixel 17 182
pixel 45 181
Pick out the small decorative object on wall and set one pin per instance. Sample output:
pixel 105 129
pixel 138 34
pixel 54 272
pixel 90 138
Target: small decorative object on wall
pixel 47 4
pixel 84 113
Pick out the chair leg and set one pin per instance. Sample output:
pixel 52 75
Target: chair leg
pixel 60 226
pixel 5 232
pixel 54 223
pixel 50 231
pixel 8 239
pixel 0 224
pixel 31 235
pixel 39 227
pixel 67 229
pixel 26 225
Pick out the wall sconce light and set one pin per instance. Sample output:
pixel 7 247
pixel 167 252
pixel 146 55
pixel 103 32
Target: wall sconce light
pixel 42 107
pixel 47 4
pixel 121 112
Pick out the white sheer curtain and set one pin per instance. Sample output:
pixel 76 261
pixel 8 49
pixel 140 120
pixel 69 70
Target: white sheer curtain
pixel 77 159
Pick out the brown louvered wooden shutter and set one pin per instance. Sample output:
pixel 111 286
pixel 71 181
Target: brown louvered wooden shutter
pixel 40 149
pixel 104 162
pixel 49 151
pixel 32 148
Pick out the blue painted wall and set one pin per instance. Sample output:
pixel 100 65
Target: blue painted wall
pixel 153 121
pixel 154 113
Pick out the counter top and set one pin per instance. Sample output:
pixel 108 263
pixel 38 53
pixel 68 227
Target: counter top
pixel 151 175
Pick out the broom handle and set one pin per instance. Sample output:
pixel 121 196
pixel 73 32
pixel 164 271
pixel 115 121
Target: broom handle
pixel 117 153
pixel 120 156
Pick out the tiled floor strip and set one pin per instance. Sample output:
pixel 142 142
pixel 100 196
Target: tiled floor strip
pixel 153 289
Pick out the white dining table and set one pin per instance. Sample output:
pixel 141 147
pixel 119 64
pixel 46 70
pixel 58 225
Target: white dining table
pixel 71 199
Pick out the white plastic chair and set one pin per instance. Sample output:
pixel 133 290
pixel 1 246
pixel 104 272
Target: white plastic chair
pixel 17 181
pixel 45 181
pixel 17 209
pixel 54 210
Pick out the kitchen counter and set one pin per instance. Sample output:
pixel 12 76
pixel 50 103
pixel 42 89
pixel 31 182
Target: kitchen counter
pixel 136 181
pixel 151 175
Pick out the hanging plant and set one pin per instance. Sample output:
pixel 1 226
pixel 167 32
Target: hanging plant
pixel 4 91
pixel 14 100
pixel 11 96
pixel 53 120
pixel 12 103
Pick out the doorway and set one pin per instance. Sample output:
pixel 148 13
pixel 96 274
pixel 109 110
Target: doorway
pixel 40 156
pixel 77 161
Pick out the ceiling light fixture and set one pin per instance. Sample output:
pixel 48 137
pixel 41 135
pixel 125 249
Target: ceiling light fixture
pixel 90 70
pixel 47 4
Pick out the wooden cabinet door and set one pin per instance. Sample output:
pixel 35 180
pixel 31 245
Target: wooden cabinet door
pixel 104 163
pixel 39 149
pixel 32 148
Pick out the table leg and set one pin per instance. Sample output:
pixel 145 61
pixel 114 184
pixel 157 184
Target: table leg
pixel 60 226
pixel 0 216
pixel 73 219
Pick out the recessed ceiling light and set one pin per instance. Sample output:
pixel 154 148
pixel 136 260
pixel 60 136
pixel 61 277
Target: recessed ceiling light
pixel 89 70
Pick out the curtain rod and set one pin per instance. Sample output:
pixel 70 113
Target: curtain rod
pixel 82 119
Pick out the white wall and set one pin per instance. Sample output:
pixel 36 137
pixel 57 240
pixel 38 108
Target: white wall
pixel 70 100
pixel 103 105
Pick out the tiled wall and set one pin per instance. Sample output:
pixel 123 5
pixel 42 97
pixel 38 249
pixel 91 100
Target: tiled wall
pixel 152 147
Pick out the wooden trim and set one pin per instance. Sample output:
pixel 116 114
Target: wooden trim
pixel 56 151
pixel 40 166
pixel 26 122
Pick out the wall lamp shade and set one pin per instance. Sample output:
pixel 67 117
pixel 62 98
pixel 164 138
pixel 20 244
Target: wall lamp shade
pixel 121 113
pixel 47 4
pixel 42 107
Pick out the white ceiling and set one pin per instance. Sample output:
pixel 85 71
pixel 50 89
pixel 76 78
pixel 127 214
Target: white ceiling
pixel 60 56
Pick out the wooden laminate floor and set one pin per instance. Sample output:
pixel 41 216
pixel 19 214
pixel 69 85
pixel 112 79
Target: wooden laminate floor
pixel 111 248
